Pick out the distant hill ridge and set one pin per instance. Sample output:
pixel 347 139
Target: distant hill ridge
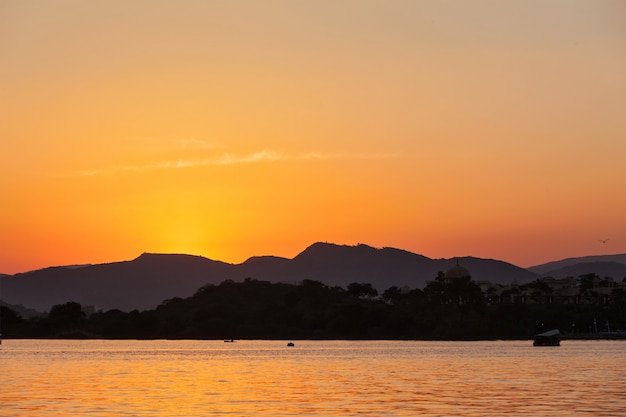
pixel 613 266
pixel 568 262
pixel 146 281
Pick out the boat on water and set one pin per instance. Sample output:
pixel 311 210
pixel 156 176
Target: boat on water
pixel 549 338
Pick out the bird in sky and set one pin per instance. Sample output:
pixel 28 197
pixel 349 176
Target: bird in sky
pixel 604 240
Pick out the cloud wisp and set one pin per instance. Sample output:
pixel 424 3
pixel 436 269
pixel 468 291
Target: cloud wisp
pixel 232 159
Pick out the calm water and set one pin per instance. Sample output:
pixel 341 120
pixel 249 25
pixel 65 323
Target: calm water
pixel 314 378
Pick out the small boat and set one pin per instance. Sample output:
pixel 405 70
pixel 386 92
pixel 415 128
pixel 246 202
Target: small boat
pixel 229 340
pixel 290 344
pixel 549 338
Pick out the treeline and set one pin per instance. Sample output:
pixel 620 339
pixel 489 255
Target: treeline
pixel 256 309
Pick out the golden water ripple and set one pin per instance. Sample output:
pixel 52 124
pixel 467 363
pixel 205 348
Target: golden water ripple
pixel 314 378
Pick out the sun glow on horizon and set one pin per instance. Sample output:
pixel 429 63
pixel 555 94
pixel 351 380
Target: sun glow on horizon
pixel 481 128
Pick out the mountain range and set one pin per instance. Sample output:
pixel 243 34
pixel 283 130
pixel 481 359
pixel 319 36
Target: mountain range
pixel 143 283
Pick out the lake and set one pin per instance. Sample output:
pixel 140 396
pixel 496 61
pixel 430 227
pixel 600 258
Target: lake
pixel 314 378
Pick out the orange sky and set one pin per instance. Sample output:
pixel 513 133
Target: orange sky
pixel 229 129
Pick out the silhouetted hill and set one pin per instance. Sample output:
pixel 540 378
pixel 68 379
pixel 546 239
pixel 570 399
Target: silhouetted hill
pixel 340 265
pixel 613 266
pixel 142 283
pixel 146 281
pixel 268 268
pixel 615 270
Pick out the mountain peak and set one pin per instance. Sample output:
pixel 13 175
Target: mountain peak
pixel 326 249
pixel 152 255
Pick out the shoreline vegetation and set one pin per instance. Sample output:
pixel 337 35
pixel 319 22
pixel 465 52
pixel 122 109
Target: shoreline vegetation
pixel 614 336
pixel 253 309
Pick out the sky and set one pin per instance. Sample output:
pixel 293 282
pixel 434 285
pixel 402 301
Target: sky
pixel 231 129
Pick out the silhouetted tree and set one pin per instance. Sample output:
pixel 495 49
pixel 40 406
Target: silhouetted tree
pixel 356 289
pixel 392 294
pixel 70 312
pixel 10 316
pixel 456 290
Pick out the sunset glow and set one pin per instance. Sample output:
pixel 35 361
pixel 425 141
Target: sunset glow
pixel 230 129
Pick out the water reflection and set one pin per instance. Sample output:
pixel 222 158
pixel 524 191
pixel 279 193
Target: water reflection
pixel 314 378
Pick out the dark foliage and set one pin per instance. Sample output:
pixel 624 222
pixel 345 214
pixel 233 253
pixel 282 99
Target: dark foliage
pixel 254 309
